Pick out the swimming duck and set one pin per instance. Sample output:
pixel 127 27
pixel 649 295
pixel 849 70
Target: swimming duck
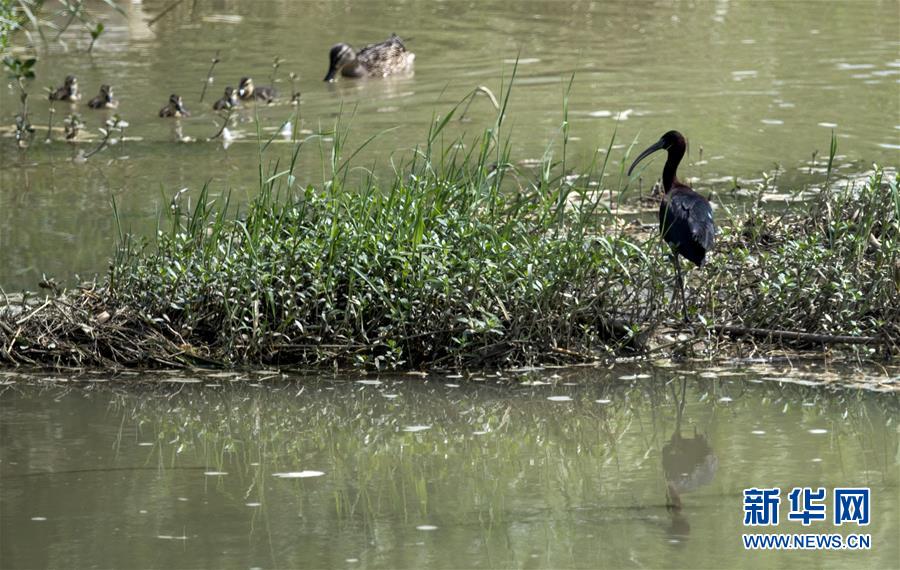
pixel 174 108
pixel 68 92
pixel 103 100
pixel 228 100
pixel 377 60
pixel 247 91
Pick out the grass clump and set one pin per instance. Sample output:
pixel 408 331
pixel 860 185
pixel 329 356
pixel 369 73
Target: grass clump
pixel 831 268
pixel 438 267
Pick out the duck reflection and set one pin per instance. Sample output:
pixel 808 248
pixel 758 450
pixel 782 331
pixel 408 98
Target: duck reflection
pixel 688 464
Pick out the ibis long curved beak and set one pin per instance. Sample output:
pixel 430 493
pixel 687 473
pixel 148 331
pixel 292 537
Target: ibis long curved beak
pixel 658 145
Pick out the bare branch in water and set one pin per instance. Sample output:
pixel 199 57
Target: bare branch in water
pixel 209 75
pixel 165 11
pixel 224 125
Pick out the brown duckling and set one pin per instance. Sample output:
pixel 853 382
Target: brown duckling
pixel 389 57
pixel 68 92
pixel 248 92
pixel 174 108
pixel 228 100
pixel 104 99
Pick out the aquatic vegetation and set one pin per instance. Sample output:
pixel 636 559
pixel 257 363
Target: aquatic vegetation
pixel 21 69
pixel 832 267
pixel 31 17
pixel 461 259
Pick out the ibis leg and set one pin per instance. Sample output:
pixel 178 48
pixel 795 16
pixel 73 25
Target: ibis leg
pixel 680 284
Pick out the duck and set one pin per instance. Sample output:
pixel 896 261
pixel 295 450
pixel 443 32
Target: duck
pixel 104 99
pixel 249 92
pixel 174 108
pixel 68 92
pixel 228 100
pixel 389 57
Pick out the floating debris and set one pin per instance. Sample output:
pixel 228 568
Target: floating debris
pixel 298 474
pixel 223 19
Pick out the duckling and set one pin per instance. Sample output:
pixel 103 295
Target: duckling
pixel 247 91
pixel 377 60
pixel 174 108
pixel 228 100
pixel 104 100
pixel 68 92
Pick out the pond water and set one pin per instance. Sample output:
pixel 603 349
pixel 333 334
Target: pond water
pixel 754 84
pixel 534 470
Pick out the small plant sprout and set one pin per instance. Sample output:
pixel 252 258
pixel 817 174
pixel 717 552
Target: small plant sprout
pixel 51 111
pixel 111 125
pixel 96 31
pixel 21 69
pixel 295 95
pixel 276 63
pixel 72 125
pixel 209 74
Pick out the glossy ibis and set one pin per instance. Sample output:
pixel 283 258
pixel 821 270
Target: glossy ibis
pixel 685 217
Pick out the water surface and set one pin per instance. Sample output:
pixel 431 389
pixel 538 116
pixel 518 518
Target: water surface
pixel 543 470
pixel 758 86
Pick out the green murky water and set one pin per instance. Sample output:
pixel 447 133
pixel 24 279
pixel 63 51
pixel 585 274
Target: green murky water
pixel 254 470
pixel 754 84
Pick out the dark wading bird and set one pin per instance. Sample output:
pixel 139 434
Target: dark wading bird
pixel 68 92
pixel 247 91
pixel 685 217
pixel 174 108
pixel 104 99
pixel 377 60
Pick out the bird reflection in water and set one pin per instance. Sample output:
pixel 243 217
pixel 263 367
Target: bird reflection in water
pixel 688 464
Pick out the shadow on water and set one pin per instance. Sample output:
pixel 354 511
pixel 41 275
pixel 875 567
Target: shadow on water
pixel 582 468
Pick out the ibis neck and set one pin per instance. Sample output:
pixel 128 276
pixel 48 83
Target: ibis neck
pixel 671 168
